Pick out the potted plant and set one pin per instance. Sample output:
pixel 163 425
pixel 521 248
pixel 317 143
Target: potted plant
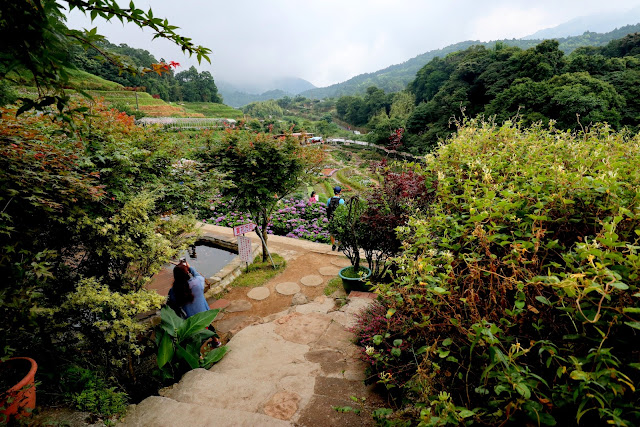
pixel 17 388
pixel 350 233
pixel 368 224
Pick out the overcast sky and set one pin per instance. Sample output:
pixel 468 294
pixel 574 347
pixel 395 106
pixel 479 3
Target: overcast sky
pixel 330 41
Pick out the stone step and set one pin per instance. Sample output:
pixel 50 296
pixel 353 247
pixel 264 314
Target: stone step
pixel 237 389
pixel 162 411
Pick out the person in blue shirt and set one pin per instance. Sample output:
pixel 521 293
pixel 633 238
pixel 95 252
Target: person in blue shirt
pixel 332 205
pixel 186 296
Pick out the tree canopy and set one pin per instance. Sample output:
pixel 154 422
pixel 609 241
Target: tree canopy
pixel 593 84
pixel 36 40
pixel 260 170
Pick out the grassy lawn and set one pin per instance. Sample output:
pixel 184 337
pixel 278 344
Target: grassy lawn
pixel 259 272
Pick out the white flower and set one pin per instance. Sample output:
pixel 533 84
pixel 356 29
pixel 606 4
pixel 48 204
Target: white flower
pixel 369 350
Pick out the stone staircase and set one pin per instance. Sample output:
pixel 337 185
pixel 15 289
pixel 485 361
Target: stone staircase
pixel 290 368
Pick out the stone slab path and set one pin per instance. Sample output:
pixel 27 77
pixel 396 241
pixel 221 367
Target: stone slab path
pixel 289 367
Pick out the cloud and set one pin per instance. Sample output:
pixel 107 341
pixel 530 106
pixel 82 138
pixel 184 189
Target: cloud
pixel 329 41
pixel 508 22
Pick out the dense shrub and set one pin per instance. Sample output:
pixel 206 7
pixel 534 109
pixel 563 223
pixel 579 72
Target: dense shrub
pixel 81 235
pixel 369 221
pixel 88 391
pixel 521 283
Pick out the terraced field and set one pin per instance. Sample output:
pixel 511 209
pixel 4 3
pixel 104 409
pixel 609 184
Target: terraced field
pixel 113 93
pixel 352 174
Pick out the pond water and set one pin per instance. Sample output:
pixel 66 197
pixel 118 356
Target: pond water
pixel 208 260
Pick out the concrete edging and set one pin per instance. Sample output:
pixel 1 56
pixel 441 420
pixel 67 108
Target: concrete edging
pixel 223 278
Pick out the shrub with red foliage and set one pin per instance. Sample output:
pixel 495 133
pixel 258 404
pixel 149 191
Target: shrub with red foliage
pixel 388 207
pixel 395 140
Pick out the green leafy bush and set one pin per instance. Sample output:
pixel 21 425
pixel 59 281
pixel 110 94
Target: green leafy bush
pixel 88 391
pixel 81 235
pixel 102 325
pixel 521 283
pixel 180 342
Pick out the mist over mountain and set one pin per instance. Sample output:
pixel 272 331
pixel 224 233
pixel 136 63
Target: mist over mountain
pixel 600 23
pixel 396 77
pixel 593 30
pixel 240 94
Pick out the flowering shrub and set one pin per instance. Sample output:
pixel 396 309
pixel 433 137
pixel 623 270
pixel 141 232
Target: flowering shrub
pixel 293 218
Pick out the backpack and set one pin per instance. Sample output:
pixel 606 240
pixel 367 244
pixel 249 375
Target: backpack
pixel 333 205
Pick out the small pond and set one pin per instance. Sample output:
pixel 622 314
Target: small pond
pixel 207 259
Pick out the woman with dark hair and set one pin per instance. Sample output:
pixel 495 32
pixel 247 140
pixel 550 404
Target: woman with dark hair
pixel 188 289
pixel 186 297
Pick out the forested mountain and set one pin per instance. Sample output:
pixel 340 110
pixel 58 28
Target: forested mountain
pixel 592 84
pixel 396 77
pixel 539 84
pixel 188 85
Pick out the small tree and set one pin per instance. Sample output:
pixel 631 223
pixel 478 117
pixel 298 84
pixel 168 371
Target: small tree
pixel 370 223
pixel 260 170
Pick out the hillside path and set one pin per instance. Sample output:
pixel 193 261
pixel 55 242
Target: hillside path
pixel 291 357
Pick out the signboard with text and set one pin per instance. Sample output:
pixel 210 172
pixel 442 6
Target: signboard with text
pixel 244 248
pixel 244 228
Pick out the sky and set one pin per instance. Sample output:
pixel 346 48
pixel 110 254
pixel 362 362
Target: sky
pixel 330 41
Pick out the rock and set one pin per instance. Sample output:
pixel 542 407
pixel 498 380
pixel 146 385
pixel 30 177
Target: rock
pixel 259 293
pixel 287 288
pixel 221 303
pixel 341 262
pixel 302 329
pixel 329 271
pixel 299 299
pixel 282 405
pixel 312 280
pixel 234 323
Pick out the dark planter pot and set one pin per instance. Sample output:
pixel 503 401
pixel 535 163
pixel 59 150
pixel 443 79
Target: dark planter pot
pixel 355 283
pixel 18 401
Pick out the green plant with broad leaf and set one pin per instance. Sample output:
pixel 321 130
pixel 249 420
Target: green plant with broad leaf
pixel 180 342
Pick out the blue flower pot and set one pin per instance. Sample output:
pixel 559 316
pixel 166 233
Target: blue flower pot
pixel 355 283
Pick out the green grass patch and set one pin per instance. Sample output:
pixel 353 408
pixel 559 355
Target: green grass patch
pixel 332 286
pixel 87 81
pixel 126 96
pixel 344 176
pixel 328 186
pixel 212 109
pixel 259 272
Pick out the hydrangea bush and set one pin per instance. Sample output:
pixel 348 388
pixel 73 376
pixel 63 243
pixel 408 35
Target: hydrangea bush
pixel 298 219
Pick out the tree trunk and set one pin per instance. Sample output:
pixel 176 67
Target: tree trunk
pixel 265 222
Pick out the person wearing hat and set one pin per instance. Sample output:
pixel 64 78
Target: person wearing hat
pixel 332 205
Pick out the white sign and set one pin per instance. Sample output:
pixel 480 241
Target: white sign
pixel 244 228
pixel 244 248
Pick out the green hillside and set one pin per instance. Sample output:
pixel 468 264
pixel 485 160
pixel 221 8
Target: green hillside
pixel 396 77
pixel 211 109
pixel 86 81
